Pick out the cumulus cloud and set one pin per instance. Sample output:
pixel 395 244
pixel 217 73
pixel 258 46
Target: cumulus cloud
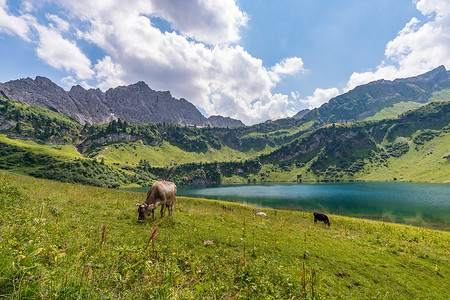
pixel 417 48
pixel 288 66
pixel 208 21
pixel 320 97
pixel 108 73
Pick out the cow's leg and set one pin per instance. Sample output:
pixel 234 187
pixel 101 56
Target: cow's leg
pixel 173 204
pixel 170 210
pixel 153 214
pixel 163 205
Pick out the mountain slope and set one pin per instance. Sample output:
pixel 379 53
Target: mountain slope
pixel 367 100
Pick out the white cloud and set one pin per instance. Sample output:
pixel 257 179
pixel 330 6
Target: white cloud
pixel 62 54
pixel 320 97
pixel 418 47
pixel 11 24
pixel 108 73
pixel 428 7
pixel 68 82
pixel 60 24
pixel 295 95
pixel 208 21
pixel 288 66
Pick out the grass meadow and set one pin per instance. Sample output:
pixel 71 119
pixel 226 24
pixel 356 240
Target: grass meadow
pixel 69 241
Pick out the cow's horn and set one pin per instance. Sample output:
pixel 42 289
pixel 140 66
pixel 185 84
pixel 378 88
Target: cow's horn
pixel 137 204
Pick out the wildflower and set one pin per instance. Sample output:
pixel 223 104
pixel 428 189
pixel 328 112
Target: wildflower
pixel 16 279
pixel 31 278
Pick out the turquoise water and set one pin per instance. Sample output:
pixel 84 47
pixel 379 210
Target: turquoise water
pixel 419 204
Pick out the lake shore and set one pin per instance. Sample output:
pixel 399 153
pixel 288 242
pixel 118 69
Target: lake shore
pixel 418 204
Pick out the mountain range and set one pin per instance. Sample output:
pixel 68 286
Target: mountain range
pixel 136 103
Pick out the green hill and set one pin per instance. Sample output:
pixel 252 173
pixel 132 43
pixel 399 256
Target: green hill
pixel 68 241
pixel 361 150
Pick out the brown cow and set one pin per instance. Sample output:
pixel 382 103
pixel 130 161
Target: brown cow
pixel 162 193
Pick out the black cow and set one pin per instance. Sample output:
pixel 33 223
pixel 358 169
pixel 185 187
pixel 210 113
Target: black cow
pixel 321 217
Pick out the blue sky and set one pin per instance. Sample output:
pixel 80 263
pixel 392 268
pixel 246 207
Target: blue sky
pixel 250 60
pixel 333 38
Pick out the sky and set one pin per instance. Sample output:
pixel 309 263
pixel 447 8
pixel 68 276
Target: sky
pixel 253 60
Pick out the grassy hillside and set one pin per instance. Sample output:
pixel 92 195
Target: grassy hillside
pixel 167 154
pixel 395 110
pixel 34 122
pixel 443 95
pixel 57 151
pixel 429 162
pixel 70 241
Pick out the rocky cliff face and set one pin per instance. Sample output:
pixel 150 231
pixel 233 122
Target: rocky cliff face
pixel 136 103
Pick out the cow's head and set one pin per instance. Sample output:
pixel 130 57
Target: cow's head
pixel 144 210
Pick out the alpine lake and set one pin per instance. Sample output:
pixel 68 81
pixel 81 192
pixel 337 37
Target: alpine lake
pixel 418 204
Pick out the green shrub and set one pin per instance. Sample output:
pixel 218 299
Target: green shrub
pixel 397 149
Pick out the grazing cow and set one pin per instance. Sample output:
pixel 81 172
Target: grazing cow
pixel 321 217
pixel 162 193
